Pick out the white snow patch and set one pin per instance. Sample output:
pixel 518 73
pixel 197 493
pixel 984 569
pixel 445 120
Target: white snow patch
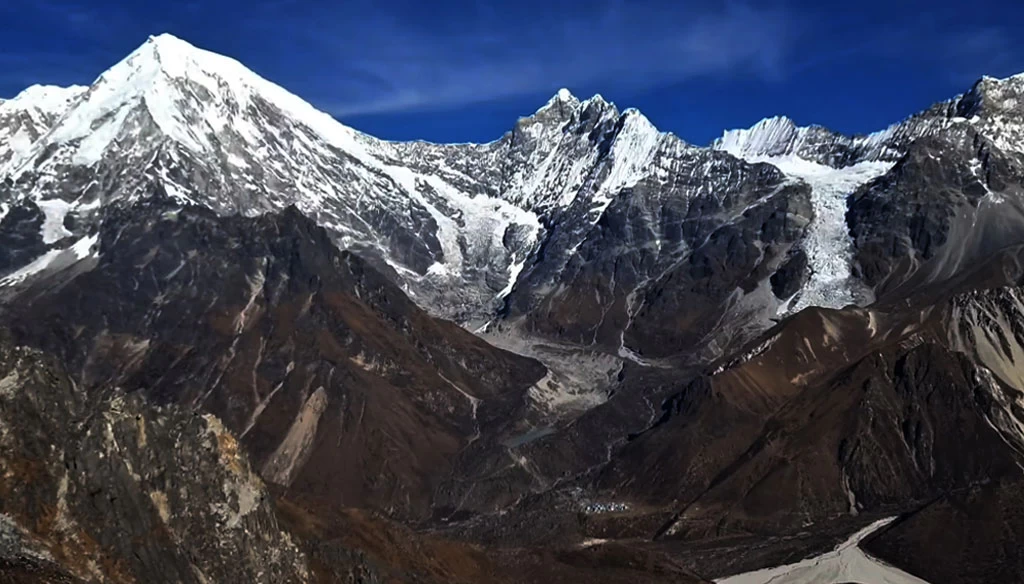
pixel 479 222
pixel 53 229
pixel 50 99
pixel 36 266
pixel 632 153
pixel 237 161
pixel 80 250
pixel 83 248
pixel 94 142
pixel 514 269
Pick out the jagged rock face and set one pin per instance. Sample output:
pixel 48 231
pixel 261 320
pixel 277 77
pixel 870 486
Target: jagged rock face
pixel 946 207
pixel 995 107
pixel 669 259
pixel 989 325
pixel 856 412
pixel 726 277
pixel 104 486
pixel 322 367
pixel 21 233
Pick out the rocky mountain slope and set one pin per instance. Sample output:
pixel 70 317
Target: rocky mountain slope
pixel 335 382
pixel 221 323
pixel 104 486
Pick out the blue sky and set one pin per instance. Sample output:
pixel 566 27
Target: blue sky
pixel 463 70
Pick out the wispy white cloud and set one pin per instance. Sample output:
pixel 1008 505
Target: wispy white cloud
pixel 382 62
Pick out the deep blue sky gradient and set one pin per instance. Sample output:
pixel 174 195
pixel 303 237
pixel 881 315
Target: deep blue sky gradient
pixel 463 70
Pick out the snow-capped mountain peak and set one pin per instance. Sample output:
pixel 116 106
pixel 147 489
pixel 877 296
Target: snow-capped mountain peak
pixel 190 94
pixel 996 108
pixel 769 137
pixel 563 97
pixel 564 105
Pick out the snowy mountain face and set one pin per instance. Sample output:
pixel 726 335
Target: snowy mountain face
pixel 981 126
pixel 471 232
pixel 206 130
pixel 29 115
pixel 582 225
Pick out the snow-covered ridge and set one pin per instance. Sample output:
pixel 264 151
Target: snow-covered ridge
pixel 994 106
pixel 781 136
pixel 50 99
pixel 29 115
pixel 770 137
pixel 793 150
pixel 563 96
pixel 170 110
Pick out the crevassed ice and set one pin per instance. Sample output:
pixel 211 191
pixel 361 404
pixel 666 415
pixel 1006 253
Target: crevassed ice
pixel 828 244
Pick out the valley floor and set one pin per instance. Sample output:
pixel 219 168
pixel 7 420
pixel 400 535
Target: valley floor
pixel 846 563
